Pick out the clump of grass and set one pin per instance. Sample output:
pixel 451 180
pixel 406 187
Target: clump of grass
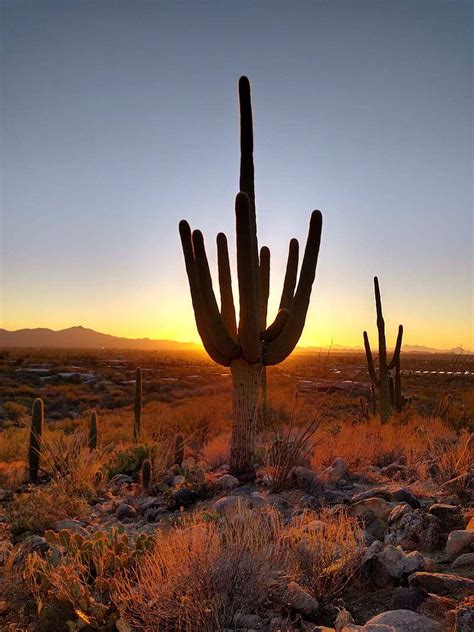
pixel 217 451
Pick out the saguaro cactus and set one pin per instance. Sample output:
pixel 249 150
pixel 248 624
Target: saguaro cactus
pixel 137 407
pixel 92 439
pixel 249 346
pixel 179 449
pixel 387 396
pixel 36 431
pixel 146 473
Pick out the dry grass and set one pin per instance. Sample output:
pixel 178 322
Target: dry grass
pixel 217 451
pixel 203 575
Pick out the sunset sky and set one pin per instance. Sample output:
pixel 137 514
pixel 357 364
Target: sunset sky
pixel 120 118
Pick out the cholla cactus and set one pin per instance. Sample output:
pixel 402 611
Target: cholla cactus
pixel 92 439
pixel 137 408
pixel 387 396
pixel 179 449
pixel 36 431
pixel 250 345
pixel 146 473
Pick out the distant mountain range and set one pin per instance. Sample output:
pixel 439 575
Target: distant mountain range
pixel 83 338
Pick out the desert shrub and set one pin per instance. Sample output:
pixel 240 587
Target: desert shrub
pixel 71 585
pixel 325 551
pixel 127 460
pixel 39 509
pixel 217 451
pixel 201 575
pixel 15 411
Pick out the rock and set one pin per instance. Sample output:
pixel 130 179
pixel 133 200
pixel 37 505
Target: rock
pixel 404 495
pixel 184 497
pixel 178 480
pixel 227 503
pixel 412 529
pixel 70 525
pixel 464 616
pixel 449 516
pixel 227 482
pixel 402 621
pixel 418 600
pixel 307 480
pixel 442 584
pixel 257 500
pixel 464 565
pixel 470 525
pixel 119 480
pixel 390 492
pixel 302 601
pixel 460 541
pixel 370 508
pixel 31 544
pixel 456 484
pixel 248 622
pixel 336 471
pixel 385 563
pixel 125 512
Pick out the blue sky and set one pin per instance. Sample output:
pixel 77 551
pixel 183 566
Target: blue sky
pixel 120 118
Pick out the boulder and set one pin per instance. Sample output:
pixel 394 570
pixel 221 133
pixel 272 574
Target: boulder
pixel 464 616
pixel 442 584
pixel 418 600
pixel 71 525
pixel 459 541
pixel 386 564
pixel 307 480
pixel 464 565
pixel 412 529
pixel 227 481
pixel 402 621
pixel 257 500
pixel 184 497
pixel 227 503
pixel 125 512
pixel 449 516
pixel 335 472
pixel 302 601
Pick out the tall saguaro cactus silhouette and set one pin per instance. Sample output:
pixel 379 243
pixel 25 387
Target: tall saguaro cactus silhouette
pixel 249 345
pixel 388 396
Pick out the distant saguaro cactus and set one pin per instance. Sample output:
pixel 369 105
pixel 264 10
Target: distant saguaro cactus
pixel 249 346
pixel 179 449
pixel 387 396
pixel 137 407
pixel 146 473
pixel 36 431
pixel 92 439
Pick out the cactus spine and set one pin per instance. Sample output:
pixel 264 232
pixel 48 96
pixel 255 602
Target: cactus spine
pixel 179 449
pixel 92 440
pixel 137 407
pixel 249 345
pixel 36 431
pixel 389 393
pixel 146 473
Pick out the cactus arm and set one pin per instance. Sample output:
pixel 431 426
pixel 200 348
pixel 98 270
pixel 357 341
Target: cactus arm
pixel 247 173
pixel 281 347
pixel 381 329
pixel 225 285
pixel 370 360
pixel 264 285
pixel 291 274
pixel 398 348
pixel 186 241
pixel 217 330
pixel 36 431
pixel 248 273
pixel 274 330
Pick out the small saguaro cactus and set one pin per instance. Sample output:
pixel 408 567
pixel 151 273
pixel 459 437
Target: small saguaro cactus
pixel 179 449
pixel 249 345
pixel 137 407
pixel 36 431
pixel 387 396
pixel 146 473
pixel 92 439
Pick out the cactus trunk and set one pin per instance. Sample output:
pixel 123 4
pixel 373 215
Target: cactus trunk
pixel 245 382
pixel 137 408
pixel 92 439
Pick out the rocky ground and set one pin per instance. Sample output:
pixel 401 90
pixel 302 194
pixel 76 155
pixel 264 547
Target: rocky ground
pixel 416 572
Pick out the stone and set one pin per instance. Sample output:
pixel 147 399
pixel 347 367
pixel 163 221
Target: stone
pixel 449 516
pixel 227 503
pixel 464 565
pixel 307 480
pixel 382 564
pixel 404 495
pixel 178 480
pixel 370 508
pixel 470 525
pixel 248 622
pixel 442 584
pixel 464 617
pixel 184 497
pixel 70 525
pixel 257 500
pixel 302 601
pixel 125 512
pixel 412 529
pixel 227 481
pixel 456 484
pixel 336 471
pixel 403 621
pixel 459 541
